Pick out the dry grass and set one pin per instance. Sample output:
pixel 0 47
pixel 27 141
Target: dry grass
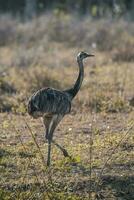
pixel 99 131
pixel 67 179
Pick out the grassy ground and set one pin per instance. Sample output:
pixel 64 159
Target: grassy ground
pixel 98 133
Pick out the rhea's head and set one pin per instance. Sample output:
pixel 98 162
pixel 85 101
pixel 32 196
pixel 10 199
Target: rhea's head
pixel 82 55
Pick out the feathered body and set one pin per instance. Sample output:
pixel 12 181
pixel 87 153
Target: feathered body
pixel 52 105
pixel 49 100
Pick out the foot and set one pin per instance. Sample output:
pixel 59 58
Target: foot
pixel 65 153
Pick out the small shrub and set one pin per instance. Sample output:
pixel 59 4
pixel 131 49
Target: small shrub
pixel 7 30
pixel 6 87
pixel 131 101
pixel 5 106
pixel 124 54
pixel 117 105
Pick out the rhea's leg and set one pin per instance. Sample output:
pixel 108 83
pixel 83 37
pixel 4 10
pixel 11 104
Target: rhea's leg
pixel 47 119
pixel 51 124
pixel 56 119
pixel 49 153
pixel 64 151
pixel 49 135
pixel 46 135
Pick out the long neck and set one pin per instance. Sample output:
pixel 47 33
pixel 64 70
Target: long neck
pixel 79 80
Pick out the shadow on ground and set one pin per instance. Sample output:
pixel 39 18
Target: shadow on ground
pixel 122 186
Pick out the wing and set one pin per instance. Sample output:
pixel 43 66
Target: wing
pixel 49 100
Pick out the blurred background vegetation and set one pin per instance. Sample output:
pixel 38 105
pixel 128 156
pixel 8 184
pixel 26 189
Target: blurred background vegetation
pixel 94 8
pixel 38 35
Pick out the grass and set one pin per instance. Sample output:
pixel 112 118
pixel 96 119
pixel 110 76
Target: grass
pixel 98 133
pixel 25 172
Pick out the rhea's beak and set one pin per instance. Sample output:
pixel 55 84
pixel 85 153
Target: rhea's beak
pixel 90 55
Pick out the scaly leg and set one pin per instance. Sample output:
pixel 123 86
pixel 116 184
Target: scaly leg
pixel 49 153
pixel 64 151
pixel 51 123
pixel 57 119
pixel 50 130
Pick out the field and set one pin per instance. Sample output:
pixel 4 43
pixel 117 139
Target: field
pixel 98 133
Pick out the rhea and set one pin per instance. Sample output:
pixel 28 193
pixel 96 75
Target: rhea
pixel 52 105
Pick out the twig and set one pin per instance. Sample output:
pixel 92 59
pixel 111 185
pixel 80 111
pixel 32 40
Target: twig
pixel 40 153
pixel 37 178
pixel 37 145
pixel 90 159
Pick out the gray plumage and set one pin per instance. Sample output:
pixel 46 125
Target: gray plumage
pixel 53 105
pixel 49 100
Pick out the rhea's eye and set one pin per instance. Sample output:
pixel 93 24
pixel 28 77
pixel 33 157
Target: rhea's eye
pixel 81 55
